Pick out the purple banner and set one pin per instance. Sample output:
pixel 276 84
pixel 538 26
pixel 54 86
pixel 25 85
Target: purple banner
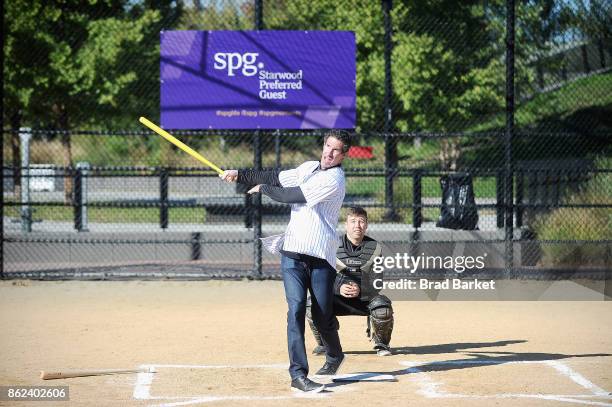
pixel 257 79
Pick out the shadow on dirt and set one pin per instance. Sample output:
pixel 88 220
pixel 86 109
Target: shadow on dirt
pixel 441 348
pixel 475 360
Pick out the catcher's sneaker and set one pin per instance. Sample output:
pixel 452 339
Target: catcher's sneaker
pixel 318 350
pixel 330 369
pixel 306 385
pixel 382 350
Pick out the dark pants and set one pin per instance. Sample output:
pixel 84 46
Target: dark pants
pixel 299 277
pixel 350 306
pixel 381 318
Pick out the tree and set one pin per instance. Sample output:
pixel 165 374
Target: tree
pixel 593 18
pixel 216 15
pixel 365 18
pixel 445 64
pixel 66 64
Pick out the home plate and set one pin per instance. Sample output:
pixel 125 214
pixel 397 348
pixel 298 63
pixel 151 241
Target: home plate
pixel 365 377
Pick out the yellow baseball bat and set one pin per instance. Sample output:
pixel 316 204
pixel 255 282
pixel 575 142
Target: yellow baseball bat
pixel 179 143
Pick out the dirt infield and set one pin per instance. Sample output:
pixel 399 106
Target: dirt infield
pixel 224 343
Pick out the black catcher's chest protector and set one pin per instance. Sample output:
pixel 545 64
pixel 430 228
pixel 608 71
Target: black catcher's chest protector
pixel 355 264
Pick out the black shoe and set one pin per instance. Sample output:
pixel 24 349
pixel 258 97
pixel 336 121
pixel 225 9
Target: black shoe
pixel 306 385
pixel 330 369
pixel 319 350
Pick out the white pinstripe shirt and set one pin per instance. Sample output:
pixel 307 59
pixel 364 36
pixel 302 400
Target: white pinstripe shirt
pixel 312 226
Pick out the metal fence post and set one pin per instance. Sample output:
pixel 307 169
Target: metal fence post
pixel 257 234
pixel 257 160
pixel 196 245
pixel 520 188
pixel 509 235
pixel 25 134
pixel 77 199
pixel 83 171
pixel 533 196
pixel 163 198
pixel 390 142
pixel 417 214
pixel 248 211
pixel 499 198
pixel 277 149
pixel 259 15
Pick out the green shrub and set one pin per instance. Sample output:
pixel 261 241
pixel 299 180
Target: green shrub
pixel 580 224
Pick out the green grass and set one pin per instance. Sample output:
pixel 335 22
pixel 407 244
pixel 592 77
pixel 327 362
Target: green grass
pixel 580 224
pixel 561 109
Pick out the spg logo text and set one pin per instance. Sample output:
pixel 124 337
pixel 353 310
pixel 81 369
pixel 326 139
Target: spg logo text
pixel 233 61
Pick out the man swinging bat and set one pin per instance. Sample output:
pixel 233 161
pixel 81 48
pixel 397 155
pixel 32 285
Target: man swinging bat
pixel 315 191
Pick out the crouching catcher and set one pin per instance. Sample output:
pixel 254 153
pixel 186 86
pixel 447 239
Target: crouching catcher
pixel 354 293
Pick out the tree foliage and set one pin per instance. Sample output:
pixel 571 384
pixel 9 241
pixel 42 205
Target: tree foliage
pixel 78 64
pixel 72 63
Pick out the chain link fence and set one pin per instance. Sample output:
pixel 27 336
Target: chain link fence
pixel 88 193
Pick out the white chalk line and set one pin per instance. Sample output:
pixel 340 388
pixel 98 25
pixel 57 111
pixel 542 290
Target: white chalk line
pixel 264 366
pixel 144 380
pixel 578 378
pixel 430 388
pixel 209 399
pixel 142 389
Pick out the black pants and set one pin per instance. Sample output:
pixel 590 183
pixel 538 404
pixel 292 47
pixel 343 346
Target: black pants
pixel 350 306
